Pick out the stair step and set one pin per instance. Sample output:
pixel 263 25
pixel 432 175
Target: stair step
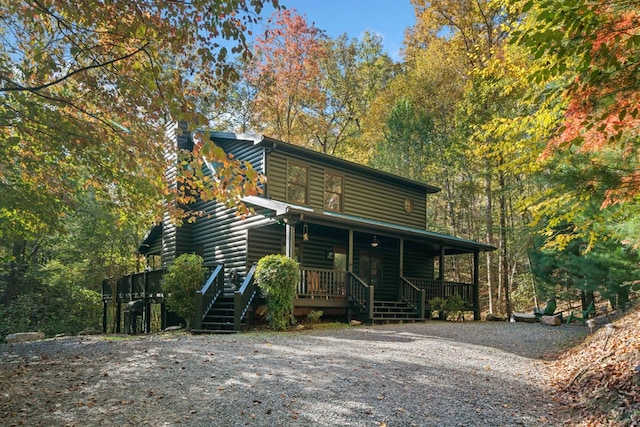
pixel 394 315
pixel 389 303
pixel 213 331
pixel 393 309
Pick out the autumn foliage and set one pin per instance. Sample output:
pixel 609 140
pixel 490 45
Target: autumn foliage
pixel 286 73
pixel 600 379
pixel 596 44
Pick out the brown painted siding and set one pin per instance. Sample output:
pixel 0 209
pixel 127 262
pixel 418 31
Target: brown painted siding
pixel 363 195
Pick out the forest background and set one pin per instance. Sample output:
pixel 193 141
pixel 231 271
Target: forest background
pixel 524 113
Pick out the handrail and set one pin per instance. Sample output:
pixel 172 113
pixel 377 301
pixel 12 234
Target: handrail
pixel 206 297
pixel 413 296
pixel 144 285
pixel 361 294
pixel 443 289
pixel 243 298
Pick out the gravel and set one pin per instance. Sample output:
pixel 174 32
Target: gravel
pixel 422 374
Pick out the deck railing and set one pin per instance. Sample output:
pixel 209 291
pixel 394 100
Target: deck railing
pixel 413 296
pixel 244 297
pixel 145 285
pixel 361 295
pixel 321 283
pixel 443 289
pixel 206 297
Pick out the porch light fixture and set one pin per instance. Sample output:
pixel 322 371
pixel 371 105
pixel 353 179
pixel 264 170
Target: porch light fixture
pixel 374 242
pixel 305 232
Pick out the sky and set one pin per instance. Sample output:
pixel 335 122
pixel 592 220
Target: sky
pixel 388 18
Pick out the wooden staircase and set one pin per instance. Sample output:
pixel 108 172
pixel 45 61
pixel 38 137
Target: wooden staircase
pixel 221 308
pixel 220 317
pixel 393 312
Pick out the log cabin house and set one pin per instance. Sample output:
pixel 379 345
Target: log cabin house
pixel 361 237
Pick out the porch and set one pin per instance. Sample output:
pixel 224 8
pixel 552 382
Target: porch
pixel 221 307
pixel 327 288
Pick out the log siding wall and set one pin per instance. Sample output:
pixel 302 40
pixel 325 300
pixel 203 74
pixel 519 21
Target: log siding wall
pixel 363 196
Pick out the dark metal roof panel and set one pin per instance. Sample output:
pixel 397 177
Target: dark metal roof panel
pixel 282 209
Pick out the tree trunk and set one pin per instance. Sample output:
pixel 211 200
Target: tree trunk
pixel 489 226
pixel 504 253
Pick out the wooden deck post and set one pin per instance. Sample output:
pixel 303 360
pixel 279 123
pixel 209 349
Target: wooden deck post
pixel 118 317
pixel 104 316
pixel 370 300
pixel 199 310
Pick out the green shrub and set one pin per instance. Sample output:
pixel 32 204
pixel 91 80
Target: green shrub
pixel 314 316
pixel 278 277
pixel 438 304
pixel 454 303
pixel 53 309
pixel 455 306
pixel 183 278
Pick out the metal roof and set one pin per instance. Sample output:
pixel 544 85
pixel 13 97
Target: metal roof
pixel 456 244
pixel 277 145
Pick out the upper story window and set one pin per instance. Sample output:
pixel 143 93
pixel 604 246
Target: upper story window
pixel 333 189
pixel 297 184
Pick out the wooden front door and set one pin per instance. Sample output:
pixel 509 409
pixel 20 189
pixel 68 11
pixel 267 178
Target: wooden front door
pixel 370 268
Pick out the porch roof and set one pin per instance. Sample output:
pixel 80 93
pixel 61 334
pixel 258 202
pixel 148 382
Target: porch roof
pixel 452 243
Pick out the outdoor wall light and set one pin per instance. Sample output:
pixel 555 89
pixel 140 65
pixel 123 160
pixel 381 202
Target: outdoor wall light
pixel 374 242
pixel 305 232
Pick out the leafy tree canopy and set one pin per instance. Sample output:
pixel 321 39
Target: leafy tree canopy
pixel 596 43
pixel 87 86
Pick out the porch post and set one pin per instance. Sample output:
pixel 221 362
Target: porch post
pixel 350 255
pixel 476 285
pixel 441 272
pixel 401 257
pixel 290 241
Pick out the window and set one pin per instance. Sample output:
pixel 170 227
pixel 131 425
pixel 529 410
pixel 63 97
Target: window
pixel 297 184
pixel 333 185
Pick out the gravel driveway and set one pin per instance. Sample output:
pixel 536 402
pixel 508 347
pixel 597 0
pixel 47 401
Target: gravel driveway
pixel 423 374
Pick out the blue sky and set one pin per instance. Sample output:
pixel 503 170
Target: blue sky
pixel 388 18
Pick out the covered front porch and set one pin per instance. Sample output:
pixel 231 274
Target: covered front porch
pixel 368 267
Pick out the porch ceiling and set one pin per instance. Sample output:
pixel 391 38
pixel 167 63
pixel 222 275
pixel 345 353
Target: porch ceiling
pixel 452 244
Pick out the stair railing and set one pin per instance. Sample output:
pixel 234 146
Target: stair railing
pixel 243 298
pixel 413 296
pixel 206 297
pixel 361 295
